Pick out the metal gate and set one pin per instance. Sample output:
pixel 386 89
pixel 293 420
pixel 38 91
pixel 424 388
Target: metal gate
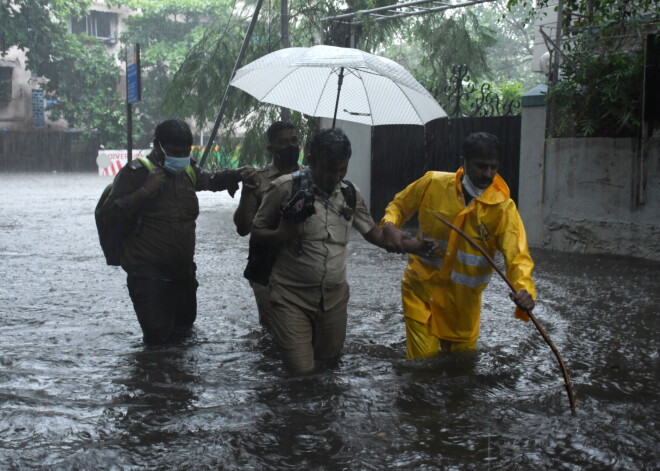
pixel 47 151
pixel 402 154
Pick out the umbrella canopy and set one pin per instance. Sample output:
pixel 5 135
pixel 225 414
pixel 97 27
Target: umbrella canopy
pixel 374 90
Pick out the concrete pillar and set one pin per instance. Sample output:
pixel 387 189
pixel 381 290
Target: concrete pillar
pixel 359 168
pixel 532 163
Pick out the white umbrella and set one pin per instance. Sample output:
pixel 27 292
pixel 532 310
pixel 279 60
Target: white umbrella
pixel 323 81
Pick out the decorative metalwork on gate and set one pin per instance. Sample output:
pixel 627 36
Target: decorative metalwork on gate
pixel 463 98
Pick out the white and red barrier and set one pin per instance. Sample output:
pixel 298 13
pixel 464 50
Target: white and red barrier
pixel 111 161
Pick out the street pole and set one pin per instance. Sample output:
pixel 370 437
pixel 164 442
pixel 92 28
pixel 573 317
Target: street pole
pixel 555 66
pixel 133 93
pixel 284 43
pixel 225 98
pixel 129 132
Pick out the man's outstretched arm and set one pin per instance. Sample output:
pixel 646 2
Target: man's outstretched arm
pixel 405 244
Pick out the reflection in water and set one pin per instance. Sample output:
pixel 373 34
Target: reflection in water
pixel 159 394
pixel 301 429
pixel 78 390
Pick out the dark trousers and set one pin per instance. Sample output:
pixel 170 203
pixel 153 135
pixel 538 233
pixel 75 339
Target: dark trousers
pixel 166 310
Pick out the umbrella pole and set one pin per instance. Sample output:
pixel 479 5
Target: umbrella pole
pixel 225 98
pixel 341 80
pixel 564 370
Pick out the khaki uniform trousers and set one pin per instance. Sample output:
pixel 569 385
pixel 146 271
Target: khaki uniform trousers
pixel 306 335
pixel 262 297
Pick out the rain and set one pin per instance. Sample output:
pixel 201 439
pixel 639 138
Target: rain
pixel 79 389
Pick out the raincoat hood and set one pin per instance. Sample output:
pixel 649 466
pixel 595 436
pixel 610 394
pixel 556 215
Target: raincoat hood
pixel 497 192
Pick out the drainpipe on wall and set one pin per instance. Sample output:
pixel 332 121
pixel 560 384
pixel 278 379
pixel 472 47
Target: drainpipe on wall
pixel 639 171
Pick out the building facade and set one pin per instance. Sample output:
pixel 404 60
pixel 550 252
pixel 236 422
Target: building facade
pixel 23 105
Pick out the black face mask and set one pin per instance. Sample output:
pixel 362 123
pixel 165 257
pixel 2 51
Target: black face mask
pixel 288 156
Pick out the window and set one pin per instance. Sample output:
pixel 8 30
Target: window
pixel 99 24
pixel 5 84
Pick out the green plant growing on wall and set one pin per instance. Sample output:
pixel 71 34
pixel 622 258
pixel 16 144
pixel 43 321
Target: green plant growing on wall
pixel 599 88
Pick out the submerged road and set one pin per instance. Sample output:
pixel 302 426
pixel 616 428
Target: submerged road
pixel 78 390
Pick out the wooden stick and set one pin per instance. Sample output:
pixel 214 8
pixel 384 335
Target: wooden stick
pixel 564 370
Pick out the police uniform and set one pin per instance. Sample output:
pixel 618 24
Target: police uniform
pixel 308 289
pixel 252 201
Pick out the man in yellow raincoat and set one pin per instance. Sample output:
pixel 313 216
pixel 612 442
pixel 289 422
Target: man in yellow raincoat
pixel 442 295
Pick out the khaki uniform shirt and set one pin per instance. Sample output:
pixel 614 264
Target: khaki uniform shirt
pixel 252 199
pixel 311 268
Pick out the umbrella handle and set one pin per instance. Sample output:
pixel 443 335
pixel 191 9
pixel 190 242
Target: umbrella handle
pixel 339 83
pixel 537 324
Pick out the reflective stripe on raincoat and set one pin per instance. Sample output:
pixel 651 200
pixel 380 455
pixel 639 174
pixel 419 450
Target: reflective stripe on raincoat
pixel 452 284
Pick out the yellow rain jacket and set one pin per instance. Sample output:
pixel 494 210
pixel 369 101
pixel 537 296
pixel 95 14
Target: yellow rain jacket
pixel 452 283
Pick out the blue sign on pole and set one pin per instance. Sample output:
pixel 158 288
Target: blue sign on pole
pixel 133 92
pixel 38 118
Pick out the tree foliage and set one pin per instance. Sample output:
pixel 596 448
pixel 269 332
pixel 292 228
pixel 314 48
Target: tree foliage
pixel 429 46
pixel 166 30
pixel 84 90
pixel 453 40
pixel 189 47
pixel 598 90
pixel 81 77
pixel 510 57
pixel 38 27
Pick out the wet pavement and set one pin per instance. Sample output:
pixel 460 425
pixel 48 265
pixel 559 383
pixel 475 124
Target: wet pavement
pixel 78 390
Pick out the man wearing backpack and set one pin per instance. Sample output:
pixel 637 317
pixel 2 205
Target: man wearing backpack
pixel 284 149
pixel 159 199
pixel 308 289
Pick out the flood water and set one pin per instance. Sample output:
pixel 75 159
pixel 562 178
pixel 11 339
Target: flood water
pixel 78 390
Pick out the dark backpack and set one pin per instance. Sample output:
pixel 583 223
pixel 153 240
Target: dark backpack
pixel 111 236
pixel 300 206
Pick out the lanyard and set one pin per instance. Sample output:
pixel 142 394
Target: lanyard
pixel 326 200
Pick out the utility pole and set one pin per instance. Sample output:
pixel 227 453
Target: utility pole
pixel 285 113
pixel 557 52
pixel 225 98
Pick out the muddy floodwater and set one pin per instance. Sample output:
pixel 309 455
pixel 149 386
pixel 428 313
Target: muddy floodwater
pixel 78 390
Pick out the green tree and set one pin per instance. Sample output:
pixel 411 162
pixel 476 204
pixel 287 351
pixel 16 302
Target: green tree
pixel 432 45
pixel 166 30
pixel 510 57
pixel 199 83
pixel 598 90
pixel 429 46
pixel 84 88
pixel 38 27
pixel 81 77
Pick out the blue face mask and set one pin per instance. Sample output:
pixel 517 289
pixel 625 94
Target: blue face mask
pixel 174 164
